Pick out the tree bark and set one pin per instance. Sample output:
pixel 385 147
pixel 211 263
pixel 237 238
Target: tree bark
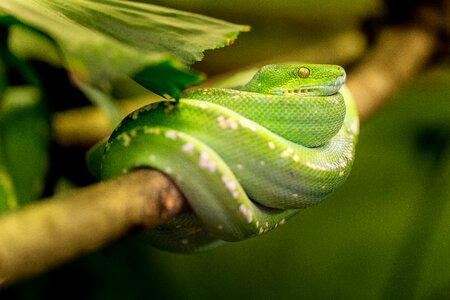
pixel 52 231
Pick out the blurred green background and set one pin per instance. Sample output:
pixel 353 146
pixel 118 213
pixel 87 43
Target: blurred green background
pixel 384 234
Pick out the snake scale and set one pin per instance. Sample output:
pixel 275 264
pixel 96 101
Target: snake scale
pixel 246 158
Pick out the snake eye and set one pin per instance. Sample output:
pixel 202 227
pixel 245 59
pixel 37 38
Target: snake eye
pixel 303 72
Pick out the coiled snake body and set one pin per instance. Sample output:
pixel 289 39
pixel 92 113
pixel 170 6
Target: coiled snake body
pixel 246 159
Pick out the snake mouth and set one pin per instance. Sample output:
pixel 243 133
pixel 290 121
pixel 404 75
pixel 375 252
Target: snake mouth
pixel 298 91
pixel 323 90
pixel 317 90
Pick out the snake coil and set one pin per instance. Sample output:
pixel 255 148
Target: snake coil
pixel 247 158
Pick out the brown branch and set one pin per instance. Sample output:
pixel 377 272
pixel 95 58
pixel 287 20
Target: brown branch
pixel 400 54
pixel 51 232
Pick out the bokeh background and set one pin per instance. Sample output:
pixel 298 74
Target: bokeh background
pixel 384 235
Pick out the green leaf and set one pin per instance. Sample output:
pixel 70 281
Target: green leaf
pixel 105 40
pixel 24 136
pixel 29 45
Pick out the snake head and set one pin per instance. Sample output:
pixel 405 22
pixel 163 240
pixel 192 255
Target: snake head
pixel 301 79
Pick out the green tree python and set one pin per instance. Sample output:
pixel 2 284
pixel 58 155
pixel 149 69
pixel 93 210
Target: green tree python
pixel 245 158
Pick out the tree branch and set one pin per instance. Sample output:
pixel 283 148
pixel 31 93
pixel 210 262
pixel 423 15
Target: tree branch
pixel 400 54
pixel 48 233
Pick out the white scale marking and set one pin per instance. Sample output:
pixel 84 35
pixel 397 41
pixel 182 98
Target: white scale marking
pixel 222 122
pixel 225 123
pixel 246 212
pixel 188 148
pixel 231 186
pixel 233 124
pixel 206 163
pixel 315 167
pixel 171 135
pixel 286 153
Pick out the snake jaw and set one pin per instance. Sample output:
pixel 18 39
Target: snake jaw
pixel 341 80
pixel 314 90
pixel 324 90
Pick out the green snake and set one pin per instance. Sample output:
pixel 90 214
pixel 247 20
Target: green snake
pixel 246 158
